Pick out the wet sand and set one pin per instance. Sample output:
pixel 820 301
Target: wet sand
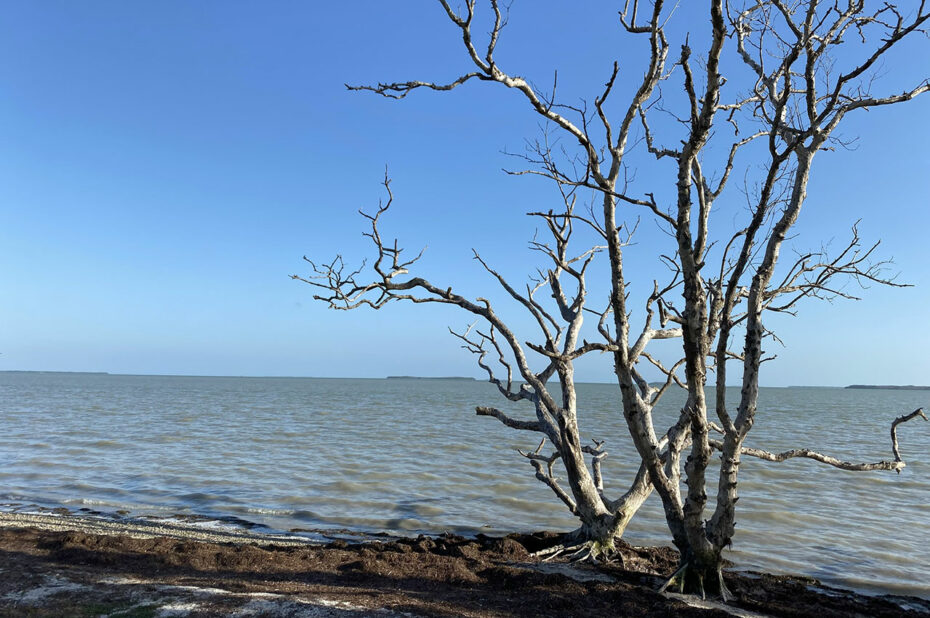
pixel 68 565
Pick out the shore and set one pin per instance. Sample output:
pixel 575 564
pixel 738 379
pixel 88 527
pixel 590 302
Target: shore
pixel 65 564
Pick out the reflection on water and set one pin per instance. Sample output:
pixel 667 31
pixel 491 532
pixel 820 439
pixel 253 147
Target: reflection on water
pixel 411 456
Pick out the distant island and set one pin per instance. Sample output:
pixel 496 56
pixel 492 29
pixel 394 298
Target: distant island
pixel 909 387
pixel 79 373
pixel 430 378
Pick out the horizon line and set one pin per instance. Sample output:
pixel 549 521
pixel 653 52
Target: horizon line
pixel 308 377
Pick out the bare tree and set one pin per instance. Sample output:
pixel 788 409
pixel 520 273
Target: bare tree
pixel 508 359
pixel 784 106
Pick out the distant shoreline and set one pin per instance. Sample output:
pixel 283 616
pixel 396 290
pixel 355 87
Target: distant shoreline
pixel 467 379
pixel 179 375
pixel 80 373
pixel 889 387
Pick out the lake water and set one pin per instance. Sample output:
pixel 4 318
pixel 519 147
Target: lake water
pixel 410 456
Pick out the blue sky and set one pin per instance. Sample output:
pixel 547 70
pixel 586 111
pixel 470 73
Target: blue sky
pixel 164 166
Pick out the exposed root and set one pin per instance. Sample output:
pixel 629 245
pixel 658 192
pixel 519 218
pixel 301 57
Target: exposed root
pixel 552 552
pixel 725 594
pixel 577 552
pixel 680 577
pixel 585 551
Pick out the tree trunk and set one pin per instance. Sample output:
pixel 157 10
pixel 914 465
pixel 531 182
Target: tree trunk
pixel 702 573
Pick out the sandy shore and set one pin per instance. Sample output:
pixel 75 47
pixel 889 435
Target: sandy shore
pixel 68 565
pixel 147 529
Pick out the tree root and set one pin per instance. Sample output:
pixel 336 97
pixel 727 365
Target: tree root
pixel 725 594
pixel 596 552
pixel 680 576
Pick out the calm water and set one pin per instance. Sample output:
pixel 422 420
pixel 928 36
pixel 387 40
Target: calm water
pixel 410 456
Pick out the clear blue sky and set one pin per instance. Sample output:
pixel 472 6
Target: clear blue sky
pixel 164 166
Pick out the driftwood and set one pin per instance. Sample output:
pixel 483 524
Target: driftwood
pixel 897 465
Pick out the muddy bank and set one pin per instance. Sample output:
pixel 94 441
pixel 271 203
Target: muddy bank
pixel 84 571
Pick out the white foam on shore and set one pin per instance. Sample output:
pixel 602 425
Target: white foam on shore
pixel 176 609
pixel 141 528
pixel 256 603
pixel 267 511
pixel 51 587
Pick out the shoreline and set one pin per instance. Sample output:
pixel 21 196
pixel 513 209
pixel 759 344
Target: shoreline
pixel 235 529
pixel 56 564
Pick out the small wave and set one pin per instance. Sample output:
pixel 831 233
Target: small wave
pixel 426 507
pixel 107 444
pixel 198 497
pixel 83 488
pixel 267 511
pixel 385 476
pixel 425 510
pixel 88 502
pixel 406 524
pixel 511 502
pixel 213 521
pixel 347 486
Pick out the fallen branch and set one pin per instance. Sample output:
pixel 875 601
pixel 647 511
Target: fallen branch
pixel 897 465
pixel 894 430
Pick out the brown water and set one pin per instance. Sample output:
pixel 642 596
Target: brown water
pixel 410 456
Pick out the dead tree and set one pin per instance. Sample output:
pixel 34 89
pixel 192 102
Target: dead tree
pixel 508 360
pixel 784 107
pixel 800 95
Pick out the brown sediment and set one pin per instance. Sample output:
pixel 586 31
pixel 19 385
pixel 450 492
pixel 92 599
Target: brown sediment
pixel 75 572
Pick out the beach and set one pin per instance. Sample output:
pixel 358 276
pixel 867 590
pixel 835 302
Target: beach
pixel 71 564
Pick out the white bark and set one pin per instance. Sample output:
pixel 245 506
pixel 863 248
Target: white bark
pixel 798 97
